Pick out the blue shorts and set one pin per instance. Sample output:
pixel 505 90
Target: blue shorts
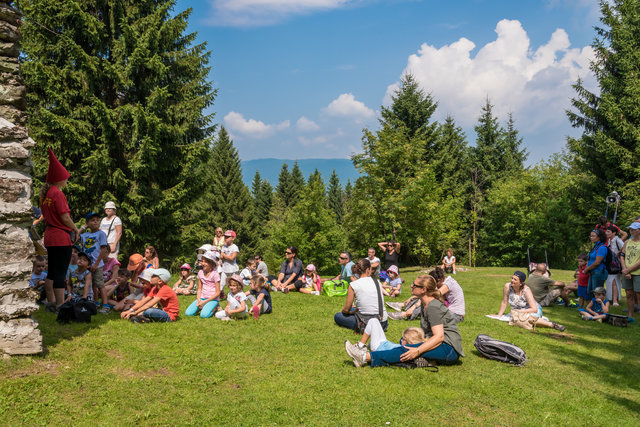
pixel 582 291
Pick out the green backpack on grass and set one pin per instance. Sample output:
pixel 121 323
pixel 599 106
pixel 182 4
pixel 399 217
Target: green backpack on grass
pixel 336 288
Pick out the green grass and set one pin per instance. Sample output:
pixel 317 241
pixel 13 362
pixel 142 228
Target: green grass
pixel 290 367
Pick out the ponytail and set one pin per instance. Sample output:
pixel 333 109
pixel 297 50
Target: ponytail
pixel 361 266
pixel 43 192
pixel 430 286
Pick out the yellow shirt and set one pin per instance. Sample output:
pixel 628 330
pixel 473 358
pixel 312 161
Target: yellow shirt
pixel 632 255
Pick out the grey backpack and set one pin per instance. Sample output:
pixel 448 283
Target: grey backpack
pixel 500 350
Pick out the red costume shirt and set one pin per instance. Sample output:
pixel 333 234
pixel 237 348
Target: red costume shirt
pixel 53 207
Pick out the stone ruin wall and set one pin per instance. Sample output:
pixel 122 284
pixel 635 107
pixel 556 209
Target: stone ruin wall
pixel 19 332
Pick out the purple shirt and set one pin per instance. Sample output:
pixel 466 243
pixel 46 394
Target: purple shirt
pixel 455 296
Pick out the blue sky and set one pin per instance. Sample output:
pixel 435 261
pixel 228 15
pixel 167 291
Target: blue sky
pixel 301 78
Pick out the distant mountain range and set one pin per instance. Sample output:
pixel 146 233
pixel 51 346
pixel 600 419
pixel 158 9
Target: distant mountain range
pixel 270 169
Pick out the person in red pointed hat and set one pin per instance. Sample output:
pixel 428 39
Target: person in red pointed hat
pixel 60 233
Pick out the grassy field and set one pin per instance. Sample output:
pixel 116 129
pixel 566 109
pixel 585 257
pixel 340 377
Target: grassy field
pixel 290 367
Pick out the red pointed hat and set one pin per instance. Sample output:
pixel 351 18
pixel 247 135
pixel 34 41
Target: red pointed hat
pixel 56 172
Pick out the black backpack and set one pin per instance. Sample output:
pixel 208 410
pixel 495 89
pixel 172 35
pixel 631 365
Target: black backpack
pixel 500 350
pixel 612 263
pixel 78 310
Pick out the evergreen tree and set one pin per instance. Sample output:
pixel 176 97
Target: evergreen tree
pixel 515 155
pixel 262 193
pixel 284 188
pixel 297 183
pixel 118 90
pixel 335 197
pixel 232 203
pixel 609 146
pixel 488 152
pixel 450 161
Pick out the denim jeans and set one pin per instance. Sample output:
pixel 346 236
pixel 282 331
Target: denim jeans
pixel 349 321
pixel 444 353
pixel 596 279
pixel 205 312
pixel 157 315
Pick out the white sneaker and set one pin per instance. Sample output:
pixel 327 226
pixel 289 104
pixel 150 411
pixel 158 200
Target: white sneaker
pixel 395 305
pixel 225 318
pixel 317 293
pixel 357 354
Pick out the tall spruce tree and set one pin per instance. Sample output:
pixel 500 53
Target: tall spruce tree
pixel 297 183
pixel 335 197
pixel 232 199
pixel 450 161
pixel 488 153
pixel 515 154
pixel 284 188
pixel 118 89
pixel 609 147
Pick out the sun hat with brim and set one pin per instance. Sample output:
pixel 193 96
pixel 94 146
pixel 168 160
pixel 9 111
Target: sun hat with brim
pixel 185 266
pixel 134 262
pixel 230 233
pixel 162 273
pixel 236 278
pixel 211 255
pixel 393 269
pixel 110 205
pixel 635 226
pixel 310 267
pixel 146 275
pixel 204 248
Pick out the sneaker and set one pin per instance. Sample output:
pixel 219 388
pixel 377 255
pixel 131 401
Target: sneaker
pixel 285 290
pixel 557 327
pixel 586 317
pixel 255 311
pixel 51 307
pixel 140 319
pixel 274 289
pixel 225 318
pixel 316 293
pixel 615 304
pixel 421 362
pixel 572 305
pixel 398 306
pixel 357 354
pixel 560 301
pixel 396 315
pixel 105 309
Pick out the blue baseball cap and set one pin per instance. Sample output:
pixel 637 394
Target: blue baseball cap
pixel 635 226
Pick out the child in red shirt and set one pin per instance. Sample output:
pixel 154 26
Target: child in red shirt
pixel 143 311
pixel 583 278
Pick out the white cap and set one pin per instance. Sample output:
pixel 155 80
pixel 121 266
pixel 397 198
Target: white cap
pixel 162 273
pixel 110 205
pixel 146 275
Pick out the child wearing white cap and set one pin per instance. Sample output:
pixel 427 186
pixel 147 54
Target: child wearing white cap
pixel 144 311
pixel 208 288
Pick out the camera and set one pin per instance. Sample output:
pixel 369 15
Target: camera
pixel 614 197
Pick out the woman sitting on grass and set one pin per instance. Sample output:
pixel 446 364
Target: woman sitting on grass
pixel 525 311
pixel 364 294
pixel 442 339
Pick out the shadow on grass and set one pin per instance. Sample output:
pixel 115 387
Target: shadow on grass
pixel 54 332
pixel 622 401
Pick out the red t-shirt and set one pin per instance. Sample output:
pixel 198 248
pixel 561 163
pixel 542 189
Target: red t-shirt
pixel 169 301
pixel 53 207
pixel 583 278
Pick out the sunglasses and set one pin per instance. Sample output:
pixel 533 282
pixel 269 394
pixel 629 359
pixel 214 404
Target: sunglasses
pixel 343 257
pixel 413 285
pixel 288 252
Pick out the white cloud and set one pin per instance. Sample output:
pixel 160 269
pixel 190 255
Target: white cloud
pixel 533 84
pixel 306 125
pixel 322 139
pixel 237 124
pixel 248 13
pixel 346 105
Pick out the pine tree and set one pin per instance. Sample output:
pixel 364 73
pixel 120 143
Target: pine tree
pixel 609 146
pixel 118 89
pixel 335 197
pixel 283 189
pixel 488 154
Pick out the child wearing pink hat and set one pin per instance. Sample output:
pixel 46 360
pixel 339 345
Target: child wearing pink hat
pixel 393 286
pixel 186 282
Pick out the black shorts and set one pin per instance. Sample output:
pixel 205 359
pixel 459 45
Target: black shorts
pixel 299 284
pixel 58 258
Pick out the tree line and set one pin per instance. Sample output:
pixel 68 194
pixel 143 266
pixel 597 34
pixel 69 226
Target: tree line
pixel 121 91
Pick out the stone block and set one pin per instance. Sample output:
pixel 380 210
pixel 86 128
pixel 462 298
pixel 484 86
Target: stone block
pixel 15 248
pixel 8 13
pixel 15 274
pixel 18 303
pixel 13 95
pixel 13 114
pixel 20 336
pixel 15 186
pixel 9 49
pixel 9 32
